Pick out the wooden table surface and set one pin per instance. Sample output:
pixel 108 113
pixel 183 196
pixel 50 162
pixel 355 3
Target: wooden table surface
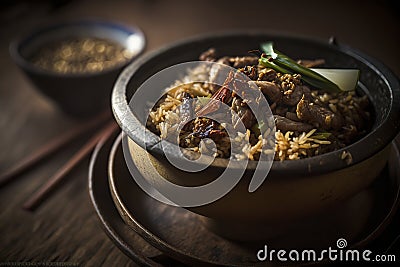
pixel 65 228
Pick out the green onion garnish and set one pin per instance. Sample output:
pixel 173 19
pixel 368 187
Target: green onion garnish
pixel 203 100
pixel 332 80
pixel 322 135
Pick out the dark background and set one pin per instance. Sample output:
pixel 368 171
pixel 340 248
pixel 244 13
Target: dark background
pixel 65 228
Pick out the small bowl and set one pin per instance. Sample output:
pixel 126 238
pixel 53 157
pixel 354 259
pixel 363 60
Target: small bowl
pixel 294 189
pixel 76 93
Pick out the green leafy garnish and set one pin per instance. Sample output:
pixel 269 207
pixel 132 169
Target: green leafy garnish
pixel 262 126
pixel 256 130
pixel 203 100
pixel 321 136
pixel 332 80
pixel 259 127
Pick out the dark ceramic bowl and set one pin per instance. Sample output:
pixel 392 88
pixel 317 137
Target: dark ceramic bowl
pixel 293 189
pixel 78 94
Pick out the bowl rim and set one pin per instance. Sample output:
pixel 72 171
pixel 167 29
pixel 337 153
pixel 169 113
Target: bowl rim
pixel 374 142
pixel 17 43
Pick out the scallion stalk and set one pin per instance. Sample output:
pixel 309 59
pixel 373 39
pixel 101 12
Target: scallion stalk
pixel 338 80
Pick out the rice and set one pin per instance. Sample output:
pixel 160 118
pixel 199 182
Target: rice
pixel 293 147
pixel 164 119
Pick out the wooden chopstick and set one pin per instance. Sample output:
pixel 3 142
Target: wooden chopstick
pixel 37 198
pixel 50 147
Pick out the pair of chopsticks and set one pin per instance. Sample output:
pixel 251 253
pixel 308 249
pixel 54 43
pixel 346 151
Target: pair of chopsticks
pixel 52 146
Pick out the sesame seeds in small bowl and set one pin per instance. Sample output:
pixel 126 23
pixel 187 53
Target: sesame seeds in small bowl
pixel 76 63
pixel 81 55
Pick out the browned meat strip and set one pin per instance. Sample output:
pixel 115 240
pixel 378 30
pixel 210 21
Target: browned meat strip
pixel 270 89
pixel 267 75
pixel 358 119
pixel 243 112
pixel 205 128
pixel 284 124
pixel 292 116
pixel 224 60
pixel 295 96
pixel 241 62
pixel 281 110
pixel 209 55
pixel 251 72
pixel 363 102
pixel 350 133
pixel 248 118
pixel 321 116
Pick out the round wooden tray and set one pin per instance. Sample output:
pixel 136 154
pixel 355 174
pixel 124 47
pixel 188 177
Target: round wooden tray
pixel 153 233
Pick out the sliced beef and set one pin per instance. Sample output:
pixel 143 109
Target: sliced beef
pixel 281 110
pixel 349 134
pixel 317 115
pixel 363 102
pixel 208 128
pixel 292 116
pixel 241 62
pixel 224 60
pixel 295 96
pixel 251 72
pixel 209 55
pixel 284 124
pixel 243 112
pixel 270 89
pixel 267 75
